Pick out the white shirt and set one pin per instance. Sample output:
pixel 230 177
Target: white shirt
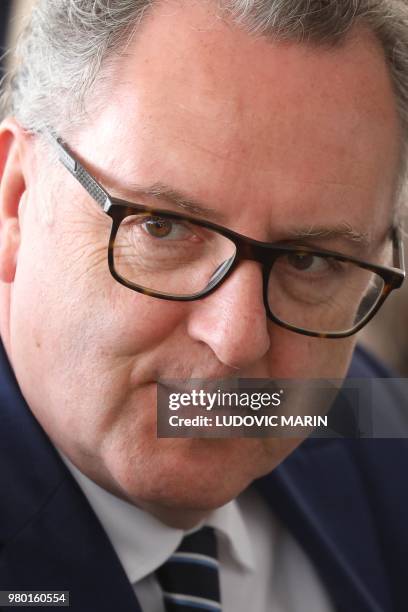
pixel 262 568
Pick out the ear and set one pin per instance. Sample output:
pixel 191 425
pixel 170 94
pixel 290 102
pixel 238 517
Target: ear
pixel 13 140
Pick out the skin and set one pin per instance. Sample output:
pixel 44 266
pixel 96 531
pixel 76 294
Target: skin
pixel 269 135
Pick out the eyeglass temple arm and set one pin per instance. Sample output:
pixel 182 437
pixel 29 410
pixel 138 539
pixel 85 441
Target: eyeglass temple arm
pixel 95 190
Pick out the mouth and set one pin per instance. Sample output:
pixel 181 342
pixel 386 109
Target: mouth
pixel 211 385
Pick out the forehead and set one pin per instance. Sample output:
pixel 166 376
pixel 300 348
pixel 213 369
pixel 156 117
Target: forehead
pixel 197 103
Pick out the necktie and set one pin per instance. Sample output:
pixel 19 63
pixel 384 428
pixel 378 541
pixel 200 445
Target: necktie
pixel 189 578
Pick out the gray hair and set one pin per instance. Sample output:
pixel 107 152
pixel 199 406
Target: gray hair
pixel 68 45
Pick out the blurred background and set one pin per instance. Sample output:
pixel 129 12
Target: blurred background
pixel 386 336
pixel 5 17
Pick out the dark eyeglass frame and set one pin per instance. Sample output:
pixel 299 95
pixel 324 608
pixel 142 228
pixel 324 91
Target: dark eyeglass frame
pixel 246 249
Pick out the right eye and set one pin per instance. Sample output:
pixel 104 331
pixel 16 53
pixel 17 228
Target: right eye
pixel 166 229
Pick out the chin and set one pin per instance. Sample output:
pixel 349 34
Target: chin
pixel 186 477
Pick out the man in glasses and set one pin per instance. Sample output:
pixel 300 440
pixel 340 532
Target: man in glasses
pixel 227 207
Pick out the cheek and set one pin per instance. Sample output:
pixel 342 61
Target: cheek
pixel 72 325
pixel 298 357
pixel 142 321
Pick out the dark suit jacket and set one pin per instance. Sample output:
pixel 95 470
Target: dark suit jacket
pixel 345 501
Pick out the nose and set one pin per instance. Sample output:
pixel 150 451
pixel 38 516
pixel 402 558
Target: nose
pixel 232 321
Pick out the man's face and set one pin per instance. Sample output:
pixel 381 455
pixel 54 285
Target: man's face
pixel 274 138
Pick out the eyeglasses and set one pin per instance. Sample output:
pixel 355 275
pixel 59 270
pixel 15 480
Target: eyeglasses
pixel 172 256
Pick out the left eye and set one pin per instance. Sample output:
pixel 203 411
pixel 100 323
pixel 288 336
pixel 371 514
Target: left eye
pixel 306 262
pixel 159 227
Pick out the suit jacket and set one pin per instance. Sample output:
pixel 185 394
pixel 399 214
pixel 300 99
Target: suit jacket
pixel 345 501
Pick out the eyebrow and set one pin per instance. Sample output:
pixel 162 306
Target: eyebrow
pixel 343 231
pixel 176 198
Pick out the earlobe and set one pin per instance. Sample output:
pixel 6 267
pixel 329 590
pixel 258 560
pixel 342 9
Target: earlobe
pixel 12 189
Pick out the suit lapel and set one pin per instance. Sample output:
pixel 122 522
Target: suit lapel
pixel 65 548
pixel 50 538
pixel 318 495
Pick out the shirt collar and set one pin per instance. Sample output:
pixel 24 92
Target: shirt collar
pixel 143 543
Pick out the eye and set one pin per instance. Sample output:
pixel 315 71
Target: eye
pixel 306 262
pixel 170 229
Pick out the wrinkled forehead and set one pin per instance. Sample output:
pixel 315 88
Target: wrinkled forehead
pixel 226 115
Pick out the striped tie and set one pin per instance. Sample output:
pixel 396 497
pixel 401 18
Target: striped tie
pixel 189 578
